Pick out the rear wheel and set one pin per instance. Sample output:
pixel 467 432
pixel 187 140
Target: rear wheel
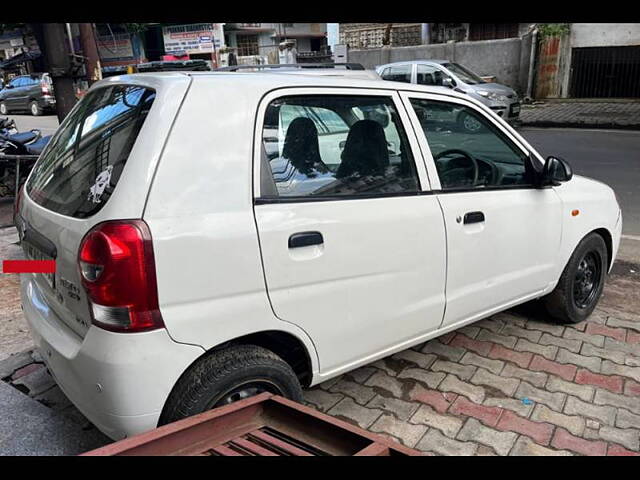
pixel 228 375
pixel 4 110
pixel 581 283
pixel 35 109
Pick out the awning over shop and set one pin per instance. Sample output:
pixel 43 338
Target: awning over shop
pixel 20 58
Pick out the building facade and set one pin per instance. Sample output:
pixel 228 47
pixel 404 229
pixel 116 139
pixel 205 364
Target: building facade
pixel 258 42
pixel 590 60
pixel 373 35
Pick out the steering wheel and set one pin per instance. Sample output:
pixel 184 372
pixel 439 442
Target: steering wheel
pixel 446 174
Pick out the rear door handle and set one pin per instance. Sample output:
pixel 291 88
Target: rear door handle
pixel 305 239
pixel 473 217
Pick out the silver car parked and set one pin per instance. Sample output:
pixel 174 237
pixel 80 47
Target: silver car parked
pixel 499 98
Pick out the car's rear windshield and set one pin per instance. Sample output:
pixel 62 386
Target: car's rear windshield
pixel 80 169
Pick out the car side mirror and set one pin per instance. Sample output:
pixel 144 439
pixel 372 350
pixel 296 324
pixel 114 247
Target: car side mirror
pixel 448 82
pixel 556 171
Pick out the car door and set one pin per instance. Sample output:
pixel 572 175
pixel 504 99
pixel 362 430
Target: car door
pixel 22 92
pixel 503 234
pixel 12 99
pixel 352 239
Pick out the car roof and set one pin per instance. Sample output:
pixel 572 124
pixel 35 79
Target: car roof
pixel 411 62
pixel 262 82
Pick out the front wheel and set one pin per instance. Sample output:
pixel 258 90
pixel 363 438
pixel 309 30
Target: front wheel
pixel 581 283
pixel 228 375
pixel 3 109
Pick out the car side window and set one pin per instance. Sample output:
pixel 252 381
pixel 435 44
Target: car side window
pixel 469 151
pixel 335 145
pixel 399 73
pixel 428 75
pixel 17 82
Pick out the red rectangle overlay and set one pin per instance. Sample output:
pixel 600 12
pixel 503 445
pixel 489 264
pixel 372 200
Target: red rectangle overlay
pixel 28 266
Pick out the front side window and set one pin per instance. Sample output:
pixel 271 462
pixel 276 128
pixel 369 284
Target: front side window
pixel 82 164
pixel 400 73
pixel 468 150
pixel 326 146
pixel 428 75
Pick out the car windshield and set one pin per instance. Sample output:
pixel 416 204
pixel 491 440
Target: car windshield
pixel 467 76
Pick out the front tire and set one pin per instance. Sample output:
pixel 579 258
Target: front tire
pixel 581 283
pixel 227 375
pixel 4 110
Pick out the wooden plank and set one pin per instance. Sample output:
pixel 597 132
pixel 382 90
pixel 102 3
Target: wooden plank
pixel 344 425
pixel 172 438
pixel 374 450
pixel 254 447
pixel 276 442
pixel 226 451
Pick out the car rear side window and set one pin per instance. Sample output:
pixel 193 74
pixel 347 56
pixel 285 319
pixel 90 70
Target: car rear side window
pixel 399 73
pixel 328 146
pixel 81 166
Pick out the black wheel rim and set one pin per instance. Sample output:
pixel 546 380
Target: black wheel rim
pixel 247 389
pixel 587 279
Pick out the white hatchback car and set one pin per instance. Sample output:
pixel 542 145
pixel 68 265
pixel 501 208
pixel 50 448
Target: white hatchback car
pixel 221 234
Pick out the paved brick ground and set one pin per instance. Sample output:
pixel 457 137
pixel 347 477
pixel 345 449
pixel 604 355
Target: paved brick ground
pixel 512 384
pixel 582 114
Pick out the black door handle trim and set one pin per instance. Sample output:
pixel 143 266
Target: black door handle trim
pixel 305 239
pixel 473 217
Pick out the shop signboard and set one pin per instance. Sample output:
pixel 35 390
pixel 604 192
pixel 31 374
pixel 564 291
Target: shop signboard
pixel 193 38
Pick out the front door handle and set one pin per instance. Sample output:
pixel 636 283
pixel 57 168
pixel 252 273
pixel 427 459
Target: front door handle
pixel 473 217
pixel 305 239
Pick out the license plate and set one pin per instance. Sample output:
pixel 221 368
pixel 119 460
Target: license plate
pixel 33 253
pixel 515 109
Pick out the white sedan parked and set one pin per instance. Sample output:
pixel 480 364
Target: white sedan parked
pixel 222 234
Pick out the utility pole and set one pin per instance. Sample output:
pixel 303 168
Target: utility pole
pixel 90 52
pixel 53 44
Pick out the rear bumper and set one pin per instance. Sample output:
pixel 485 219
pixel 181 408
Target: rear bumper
pixel 120 382
pixel 47 101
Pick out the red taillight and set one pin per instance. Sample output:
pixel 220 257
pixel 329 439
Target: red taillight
pixel 118 272
pixel 45 88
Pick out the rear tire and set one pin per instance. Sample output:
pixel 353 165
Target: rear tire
pixel 4 110
pixel 227 375
pixel 581 282
pixel 35 109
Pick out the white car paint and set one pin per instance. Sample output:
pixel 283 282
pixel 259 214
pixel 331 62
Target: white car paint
pixel 388 270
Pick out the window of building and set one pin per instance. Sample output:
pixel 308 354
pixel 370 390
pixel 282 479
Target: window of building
pixel 247 45
pixel 492 31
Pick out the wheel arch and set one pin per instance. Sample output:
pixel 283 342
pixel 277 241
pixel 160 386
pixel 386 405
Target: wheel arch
pixel 284 344
pixel 608 241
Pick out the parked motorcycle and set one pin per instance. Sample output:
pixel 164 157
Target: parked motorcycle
pixel 13 143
